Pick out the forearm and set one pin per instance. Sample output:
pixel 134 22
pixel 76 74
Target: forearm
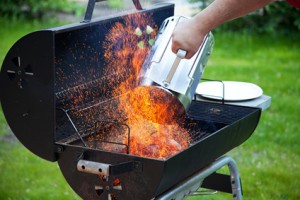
pixel 221 11
pixel 188 35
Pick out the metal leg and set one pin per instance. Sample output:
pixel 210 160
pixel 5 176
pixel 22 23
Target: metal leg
pixel 235 180
pixel 193 183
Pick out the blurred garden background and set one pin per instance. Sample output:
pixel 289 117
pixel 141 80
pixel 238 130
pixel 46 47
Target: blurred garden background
pixel 262 48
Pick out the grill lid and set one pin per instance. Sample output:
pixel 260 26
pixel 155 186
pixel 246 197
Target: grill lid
pixel 29 81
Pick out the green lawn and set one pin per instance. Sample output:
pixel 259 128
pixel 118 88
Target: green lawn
pixel 269 162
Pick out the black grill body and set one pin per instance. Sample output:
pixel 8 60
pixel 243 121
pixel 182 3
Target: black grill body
pixel 224 127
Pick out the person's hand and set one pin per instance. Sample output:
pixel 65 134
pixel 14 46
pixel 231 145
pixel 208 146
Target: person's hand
pixel 187 36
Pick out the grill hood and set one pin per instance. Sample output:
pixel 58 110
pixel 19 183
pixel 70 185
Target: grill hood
pixel 30 87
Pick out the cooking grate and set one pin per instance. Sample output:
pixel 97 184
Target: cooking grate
pixel 103 127
pixel 216 112
pixel 89 93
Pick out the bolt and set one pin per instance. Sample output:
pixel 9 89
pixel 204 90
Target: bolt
pixel 59 149
pixel 20 85
pixel 136 165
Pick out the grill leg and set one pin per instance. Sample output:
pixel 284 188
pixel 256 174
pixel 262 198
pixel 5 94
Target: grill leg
pixel 193 183
pixel 235 180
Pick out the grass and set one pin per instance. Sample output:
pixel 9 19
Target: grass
pixel 269 162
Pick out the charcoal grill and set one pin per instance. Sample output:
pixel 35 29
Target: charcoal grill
pixel 56 116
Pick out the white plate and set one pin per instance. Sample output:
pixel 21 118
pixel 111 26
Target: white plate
pixel 233 90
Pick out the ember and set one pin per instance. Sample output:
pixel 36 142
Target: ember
pixel 149 110
pixel 147 139
pixel 157 140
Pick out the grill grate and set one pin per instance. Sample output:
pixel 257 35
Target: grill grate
pixel 96 127
pixel 88 94
pixel 216 112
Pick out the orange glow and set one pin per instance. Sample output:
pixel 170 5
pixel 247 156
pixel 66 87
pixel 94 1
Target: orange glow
pixel 153 104
pixel 155 131
pixel 160 141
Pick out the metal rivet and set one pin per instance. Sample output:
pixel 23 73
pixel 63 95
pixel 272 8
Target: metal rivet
pixel 59 149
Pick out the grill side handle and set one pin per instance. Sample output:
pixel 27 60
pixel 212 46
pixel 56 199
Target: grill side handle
pixel 105 169
pixel 91 5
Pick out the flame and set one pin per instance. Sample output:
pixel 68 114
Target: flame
pixel 149 110
pixel 153 104
pixel 157 140
pixel 151 113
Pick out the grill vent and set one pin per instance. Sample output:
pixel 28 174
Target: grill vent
pixel 19 72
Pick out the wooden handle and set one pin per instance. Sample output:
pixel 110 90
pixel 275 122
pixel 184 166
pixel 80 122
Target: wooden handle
pixel 180 55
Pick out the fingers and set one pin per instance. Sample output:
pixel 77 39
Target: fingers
pixel 190 54
pixel 181 40
pixel 175 44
